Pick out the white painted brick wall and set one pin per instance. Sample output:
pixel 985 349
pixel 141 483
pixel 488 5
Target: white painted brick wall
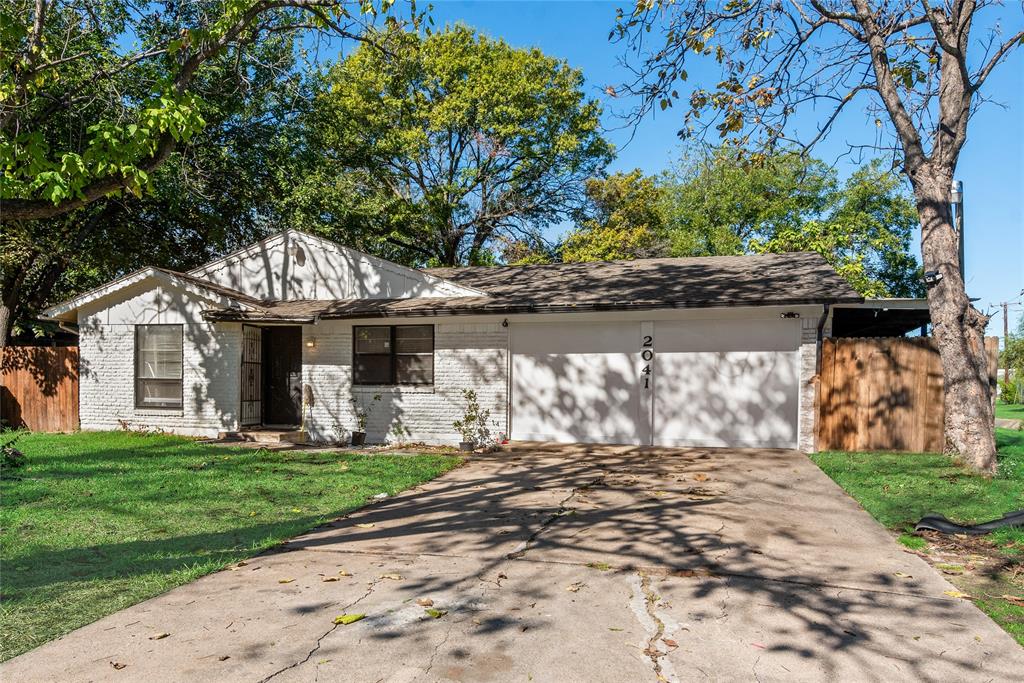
pixel 808 382
pixel 210 383
pixel 466 356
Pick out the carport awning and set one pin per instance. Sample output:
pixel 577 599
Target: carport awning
pixel 880 318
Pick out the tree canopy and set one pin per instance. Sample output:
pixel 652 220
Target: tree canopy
pixel 447 141
pixel 730 202
pixel 95 95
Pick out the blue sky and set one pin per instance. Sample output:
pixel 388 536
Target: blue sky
pixel 991 166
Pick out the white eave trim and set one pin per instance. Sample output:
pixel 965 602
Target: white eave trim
pixel 62 310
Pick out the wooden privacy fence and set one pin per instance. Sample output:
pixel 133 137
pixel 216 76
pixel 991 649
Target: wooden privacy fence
pixel 40 388
pixel 883 394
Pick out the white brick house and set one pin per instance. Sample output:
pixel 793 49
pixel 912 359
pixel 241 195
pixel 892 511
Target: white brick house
pixel 289 331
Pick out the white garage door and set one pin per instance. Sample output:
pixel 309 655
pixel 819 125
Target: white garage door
pixel 727 383
pixel 575 382
pixel 695 383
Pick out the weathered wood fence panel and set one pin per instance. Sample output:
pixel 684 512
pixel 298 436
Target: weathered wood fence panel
pixel 40 388
pixel 883 394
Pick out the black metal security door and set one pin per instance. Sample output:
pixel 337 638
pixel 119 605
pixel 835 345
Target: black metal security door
pixel 282 373
pixel 252 376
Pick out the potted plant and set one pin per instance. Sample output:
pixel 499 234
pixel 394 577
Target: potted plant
pixel 472 427
pixel 362 412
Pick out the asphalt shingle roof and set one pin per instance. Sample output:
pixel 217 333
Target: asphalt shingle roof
pixel 767 279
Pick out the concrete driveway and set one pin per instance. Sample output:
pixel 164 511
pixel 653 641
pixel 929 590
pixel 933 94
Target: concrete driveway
pixel 566 563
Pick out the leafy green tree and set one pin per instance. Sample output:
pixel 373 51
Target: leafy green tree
pixel 446 141
pixel 626 220
pixel 732 203
pixel 215 192
pixel 95 95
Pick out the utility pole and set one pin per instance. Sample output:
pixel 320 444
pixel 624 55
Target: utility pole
pixel 957 200
pixel 1006 341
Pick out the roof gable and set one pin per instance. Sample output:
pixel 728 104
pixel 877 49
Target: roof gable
pixel 294 265
pixel 67 310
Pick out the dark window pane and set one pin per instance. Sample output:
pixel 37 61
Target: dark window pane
pixel 373 339
pixel 372 369
pixel 414 339
pixel 415 369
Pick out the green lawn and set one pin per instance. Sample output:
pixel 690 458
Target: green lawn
pixel 95 522
pixel 1010 411
pixel 900 488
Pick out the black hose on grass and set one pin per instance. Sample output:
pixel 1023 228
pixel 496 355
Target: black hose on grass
pixel 944 526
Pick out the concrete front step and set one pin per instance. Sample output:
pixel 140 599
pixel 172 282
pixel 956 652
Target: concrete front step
pixel 264 435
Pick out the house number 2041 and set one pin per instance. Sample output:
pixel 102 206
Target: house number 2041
pixel 647 354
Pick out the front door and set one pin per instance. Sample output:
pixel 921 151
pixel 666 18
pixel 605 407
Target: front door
pixel 282 375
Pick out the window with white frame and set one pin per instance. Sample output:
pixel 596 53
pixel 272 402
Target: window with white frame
pixel 158 365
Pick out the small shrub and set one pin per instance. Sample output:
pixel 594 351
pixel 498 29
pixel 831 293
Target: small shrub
pixel 10 457
pixel 1010 392
pixel 473 424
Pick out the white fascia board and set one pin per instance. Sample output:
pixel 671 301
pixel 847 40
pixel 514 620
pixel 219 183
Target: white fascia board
pixel 63 310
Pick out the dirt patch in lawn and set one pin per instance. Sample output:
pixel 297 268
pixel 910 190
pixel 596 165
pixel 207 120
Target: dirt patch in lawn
pixel 983 573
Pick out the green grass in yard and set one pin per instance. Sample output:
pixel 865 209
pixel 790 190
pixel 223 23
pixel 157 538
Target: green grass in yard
pixel 96 522
pixel 1010 411
pixel 900 488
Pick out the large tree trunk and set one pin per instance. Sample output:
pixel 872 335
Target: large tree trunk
pixel 958 328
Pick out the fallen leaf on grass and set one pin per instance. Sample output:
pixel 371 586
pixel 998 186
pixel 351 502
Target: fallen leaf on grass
pixel 436 613
pixel 159 636
pixel 1013 599
pixel 425 602
pixel 958 594
pixel 346 619
pixel 118 665
pixel 364 525
pixel 285 580
pixel 575 587
pixel 393 577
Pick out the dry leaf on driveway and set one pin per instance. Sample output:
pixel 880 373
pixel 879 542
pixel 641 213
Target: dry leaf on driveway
pixel 425 602
pixel 159 636
pixel 346 619
pixel 393 577
pixel 285 580
pixel 364 525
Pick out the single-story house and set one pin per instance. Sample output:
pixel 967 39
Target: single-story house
pixel 299 332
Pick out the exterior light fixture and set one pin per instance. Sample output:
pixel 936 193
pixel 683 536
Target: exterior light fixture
pixel 311 343
pixel 789 315
pixel 932 278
